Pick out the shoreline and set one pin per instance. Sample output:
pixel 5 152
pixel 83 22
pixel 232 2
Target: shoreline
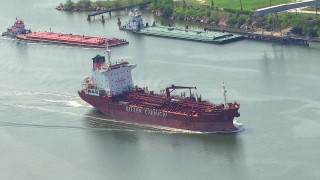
pixel 222 28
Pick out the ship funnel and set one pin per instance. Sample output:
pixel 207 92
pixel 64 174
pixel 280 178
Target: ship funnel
pixel 224 94
pixel 98 61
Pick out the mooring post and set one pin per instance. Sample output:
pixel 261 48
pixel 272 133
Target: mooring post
pixel 272 15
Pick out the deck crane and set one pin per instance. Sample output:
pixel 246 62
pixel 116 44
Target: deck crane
pixel 173 87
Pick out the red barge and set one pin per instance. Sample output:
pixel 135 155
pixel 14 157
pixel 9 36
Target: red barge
pixel 110 89
pixel 71 39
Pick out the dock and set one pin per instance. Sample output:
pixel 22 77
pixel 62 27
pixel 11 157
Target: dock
pixel 193 35
pixel 117 9
pixel 279 39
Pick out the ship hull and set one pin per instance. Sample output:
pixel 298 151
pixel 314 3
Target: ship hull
pixel 221 122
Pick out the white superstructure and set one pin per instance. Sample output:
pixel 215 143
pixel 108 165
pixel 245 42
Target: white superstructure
pixel 135 24
pixel 16 29
pixel 109 78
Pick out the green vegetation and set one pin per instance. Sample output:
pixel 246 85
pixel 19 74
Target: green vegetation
pixel 182 10
pixel 68 5
pixel 88 4
pixel 247 5
pixel 301 24
pixel 224 13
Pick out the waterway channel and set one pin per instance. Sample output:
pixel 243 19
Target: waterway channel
pixel 48 132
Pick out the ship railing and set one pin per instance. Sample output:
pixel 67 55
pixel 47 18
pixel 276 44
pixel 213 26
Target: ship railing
pixel 234 105
pixel 123 102
pixel 112 93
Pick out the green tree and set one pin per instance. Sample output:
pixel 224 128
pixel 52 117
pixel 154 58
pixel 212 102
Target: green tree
pixel 167 11
pixel 313 31
pixel 84 3
pixel 241 20
pixel 214 18
pixel 99 3
pixel 69 5
pixel 131 2
pixel 297 30
pixel 233 20
pixel 116 3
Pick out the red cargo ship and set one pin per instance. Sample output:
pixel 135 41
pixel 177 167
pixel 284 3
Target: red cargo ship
pixel 70 39
pixel 110 89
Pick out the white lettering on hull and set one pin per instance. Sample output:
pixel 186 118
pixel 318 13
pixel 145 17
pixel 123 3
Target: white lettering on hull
pixel 147 111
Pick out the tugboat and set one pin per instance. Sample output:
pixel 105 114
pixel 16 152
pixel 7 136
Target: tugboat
pixel 16 29
pixel 135 24
pixel 19 31
pixel 111 90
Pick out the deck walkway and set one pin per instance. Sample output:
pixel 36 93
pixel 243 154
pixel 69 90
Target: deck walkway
pixel 285 7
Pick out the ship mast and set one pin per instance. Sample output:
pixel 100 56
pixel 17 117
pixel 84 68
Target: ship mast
pixel 224 91
pixel 108 54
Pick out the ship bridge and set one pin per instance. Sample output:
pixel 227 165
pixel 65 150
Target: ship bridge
pixel 285 7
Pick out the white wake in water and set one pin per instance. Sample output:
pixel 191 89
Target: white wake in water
pixel 119 126
pixel 13 93
pixel 72 103
pixel 43 101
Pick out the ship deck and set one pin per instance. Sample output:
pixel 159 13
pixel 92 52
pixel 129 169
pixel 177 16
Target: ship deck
pixel 202 36
pixel 72 39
